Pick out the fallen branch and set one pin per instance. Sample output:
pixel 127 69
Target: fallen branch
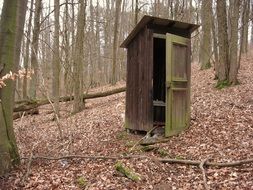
pixel 164 160
pixel 201 166
pixel 28 105
pixel 146 136
pixel 154 141
pixel 28 167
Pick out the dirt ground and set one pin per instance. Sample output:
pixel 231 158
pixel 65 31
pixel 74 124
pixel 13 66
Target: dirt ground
pixel 221 130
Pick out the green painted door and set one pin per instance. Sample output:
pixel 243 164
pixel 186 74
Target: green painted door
pixel 177 84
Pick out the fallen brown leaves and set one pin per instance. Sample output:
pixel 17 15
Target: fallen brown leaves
pixel 221 130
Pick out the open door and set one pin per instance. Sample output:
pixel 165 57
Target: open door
pixel 177 116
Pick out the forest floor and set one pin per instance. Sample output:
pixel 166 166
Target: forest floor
pixel 221 129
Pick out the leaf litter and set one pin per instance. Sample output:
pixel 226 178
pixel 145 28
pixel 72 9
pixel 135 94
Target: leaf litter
pixel 221 130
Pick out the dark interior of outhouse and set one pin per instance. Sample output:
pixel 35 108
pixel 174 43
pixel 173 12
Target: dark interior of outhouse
pixel 159 80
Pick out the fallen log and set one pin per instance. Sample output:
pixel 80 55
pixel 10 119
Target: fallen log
pixel 22 106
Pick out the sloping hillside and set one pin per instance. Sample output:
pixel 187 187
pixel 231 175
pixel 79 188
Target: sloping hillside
pixel 221 130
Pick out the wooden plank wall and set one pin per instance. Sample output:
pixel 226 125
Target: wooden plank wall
pixel 139 100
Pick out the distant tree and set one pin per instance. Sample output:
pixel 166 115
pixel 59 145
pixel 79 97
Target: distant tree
pixel 27 48
pixel 12 12
pixel 34 49
pixel 56 58
pixel 233 60
pixel 223 64
pixel 115 41
pixel 79 58
pixel 205 52
pixel 136 11
pixel 245 25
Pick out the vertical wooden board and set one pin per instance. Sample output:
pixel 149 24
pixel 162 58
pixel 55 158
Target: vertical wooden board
pixel 188 83
pixel 179 109
pixel 149 57
pixel 136 84
pixel 129 90
pixel 179 66
pixel 140 83
pixel 169 58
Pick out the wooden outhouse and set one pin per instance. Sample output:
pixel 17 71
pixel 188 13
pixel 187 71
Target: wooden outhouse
pixel 158 75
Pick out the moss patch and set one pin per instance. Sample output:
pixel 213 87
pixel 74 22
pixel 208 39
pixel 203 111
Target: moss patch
pixel 163 153
pixel 121 135
pixel 127 172
pixel 130 144
pixel 222 84
pixel 82 182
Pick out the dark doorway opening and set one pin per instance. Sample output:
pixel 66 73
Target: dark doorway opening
pixel 159 80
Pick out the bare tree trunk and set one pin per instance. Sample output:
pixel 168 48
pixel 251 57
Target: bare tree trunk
pixel 223 42
pixel 34 49
pixel 215 46
pixel 115 41
pixel 245 26
pixel 12 12
pixel 56 58
pixel 98 45
pixel 79 58
pixel 19 37
pixel 251 15
pixel 235 5
pixel 27 48
pixel 205 48
pixel 67 62
pixel 136 12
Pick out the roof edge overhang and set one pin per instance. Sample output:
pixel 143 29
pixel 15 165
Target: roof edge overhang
pixel 159 21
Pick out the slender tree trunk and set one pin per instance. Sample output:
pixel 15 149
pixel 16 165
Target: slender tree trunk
pixel 235 5
pixel 205 48
pixel 79 58
pixel 27 48
pixel 245 26
pixel 115 41
pixel 223 42
pixel 67 62
pixel 251 40
pixel 9 40
pixel 56 58
pixel 215 46
pixel 136 12
pixel 34 49
pixel 98 45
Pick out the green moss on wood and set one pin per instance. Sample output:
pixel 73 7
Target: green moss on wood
pixel 163 153
pixel 148 148
pixel 127 172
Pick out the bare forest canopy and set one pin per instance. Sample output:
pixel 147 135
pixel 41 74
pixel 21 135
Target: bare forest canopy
pixel 102 60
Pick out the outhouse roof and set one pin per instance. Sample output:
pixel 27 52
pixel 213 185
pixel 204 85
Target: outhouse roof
pixel 167 23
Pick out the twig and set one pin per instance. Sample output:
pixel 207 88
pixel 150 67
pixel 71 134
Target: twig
pixel 165 160
pixel 201 166
pixel 28 168
pixel 213 164
pixel 139 141
pixel 54 110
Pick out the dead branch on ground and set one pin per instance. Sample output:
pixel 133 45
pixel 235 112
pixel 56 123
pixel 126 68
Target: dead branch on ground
pixel 201 166
pixel 164 160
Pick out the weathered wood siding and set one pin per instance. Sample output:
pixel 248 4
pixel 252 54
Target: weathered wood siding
pixel 139 100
